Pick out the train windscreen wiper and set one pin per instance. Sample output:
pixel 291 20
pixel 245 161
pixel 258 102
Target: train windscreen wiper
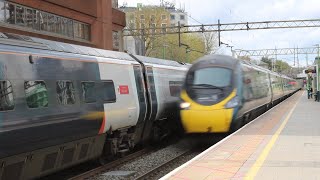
pixel 206 86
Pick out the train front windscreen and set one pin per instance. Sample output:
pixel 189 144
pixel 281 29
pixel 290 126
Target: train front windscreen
pixel 208 86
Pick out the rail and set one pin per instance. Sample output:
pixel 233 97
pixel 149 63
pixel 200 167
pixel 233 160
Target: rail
pixel 99 170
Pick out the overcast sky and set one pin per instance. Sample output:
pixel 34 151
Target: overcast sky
pixel 209 11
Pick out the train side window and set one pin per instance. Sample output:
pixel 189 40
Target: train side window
pixel 65 92
pixel 175 87
pixel 36 94
pixel 6 96
pixel 88 92
pixel 108 91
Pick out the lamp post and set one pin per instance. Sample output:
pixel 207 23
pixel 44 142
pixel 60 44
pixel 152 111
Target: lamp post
pixel 317 70
pixel 164 51
pixel 187 54
pixel 233 53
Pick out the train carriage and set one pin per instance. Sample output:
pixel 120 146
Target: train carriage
pixel 221 93
pixel 63 104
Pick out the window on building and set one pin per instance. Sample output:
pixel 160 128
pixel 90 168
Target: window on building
pixel 77 29
pixel 116 39
pixel 43 21
pixel 30 14
pixel 36 94
pixel 172 17
pixel 153 18
pixel 6 96
pixel 64 26
pixel 2 11
pixel 163 17
pixel 10 11
pixel 36 20
pixel 18 15
pixel 65 92
pixel 86 31
pixel 142 16
pixel 131 16
pixel 58 24
pixel 70 28
pixel 182 17
pixel 131 25
pixel 114 3
pixel 51 23
pixel 153 28
pixel 164 28
pixel 108 91
pixel 88 92
pixel 172 25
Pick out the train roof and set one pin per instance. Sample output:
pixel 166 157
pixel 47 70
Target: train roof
pixel 228 61
pixel 165 62
pixel 37 43
pixel 217 59
pixel 43 44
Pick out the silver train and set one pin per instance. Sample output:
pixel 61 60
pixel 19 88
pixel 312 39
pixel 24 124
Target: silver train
pixel 64 104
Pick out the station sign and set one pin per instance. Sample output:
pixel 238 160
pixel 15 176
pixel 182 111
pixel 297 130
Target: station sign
pixel 307 71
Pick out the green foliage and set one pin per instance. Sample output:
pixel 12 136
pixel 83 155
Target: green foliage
pixel 280 66
pixel 267 61
pixel 167 47
pixel 246 58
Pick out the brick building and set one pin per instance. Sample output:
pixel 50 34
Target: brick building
pixel 94 23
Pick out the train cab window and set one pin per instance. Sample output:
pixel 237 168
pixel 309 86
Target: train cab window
pixel 36 94
pixel 65 92
pixel 6 96
pixel 204 77
pixel 88 92
pixel 108 91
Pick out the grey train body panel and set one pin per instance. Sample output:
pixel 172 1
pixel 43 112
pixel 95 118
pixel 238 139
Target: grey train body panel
pixel 24 127
pixel 159 90
pixel 261 87
pixel 164 72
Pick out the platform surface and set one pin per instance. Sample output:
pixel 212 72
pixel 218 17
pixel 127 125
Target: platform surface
pixel 283 143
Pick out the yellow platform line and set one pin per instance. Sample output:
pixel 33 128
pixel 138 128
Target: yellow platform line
pixel 258 164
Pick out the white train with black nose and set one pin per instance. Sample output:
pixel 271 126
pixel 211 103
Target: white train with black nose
pixel 64 104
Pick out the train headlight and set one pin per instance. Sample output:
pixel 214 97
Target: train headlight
pixel 184 105
pixel 234 102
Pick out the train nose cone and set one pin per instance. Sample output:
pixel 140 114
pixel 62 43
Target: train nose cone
pixel 204 121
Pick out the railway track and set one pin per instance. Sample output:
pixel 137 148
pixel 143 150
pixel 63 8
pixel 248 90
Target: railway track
pixel 143 159
pixel 101 169
pixel 169 165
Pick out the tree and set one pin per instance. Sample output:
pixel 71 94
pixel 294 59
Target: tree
pixel 267 61
pixel 282 67
pixel 167 47
pixel 210 40
pixel 147 17
pixel 246 58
